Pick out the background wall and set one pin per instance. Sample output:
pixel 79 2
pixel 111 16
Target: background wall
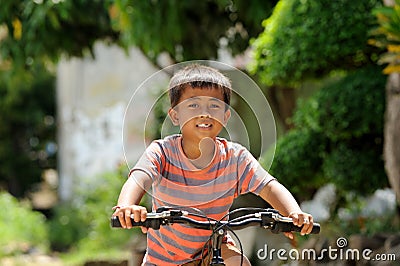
pixel 92 95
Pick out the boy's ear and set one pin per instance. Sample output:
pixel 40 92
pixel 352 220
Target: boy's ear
pixel 227 115
pixel 173 115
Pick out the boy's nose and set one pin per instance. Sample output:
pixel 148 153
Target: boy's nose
pixel 205 113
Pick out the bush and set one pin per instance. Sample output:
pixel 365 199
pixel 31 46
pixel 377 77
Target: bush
pixel 307 39
pixel 83 226
pixel 297 162
pixel 338 136
pixel 21 228
pixel 28 129
pixel 348 109
pixel 67 227
pixel 355 168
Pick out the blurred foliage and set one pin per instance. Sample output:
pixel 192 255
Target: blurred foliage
pixel 350 113
pixel 33 36
pixel 353 218
pixel 356 165
pixel 27 128
pixel 387 36
pixel 310 38
pixel 184 29
pixel 66 227
pixel 349 108
pixel 160 108
pixel 21 229
pixel 32 30
pixel 188 30
pixel 337 138
pixel 83 227
pixel 368 226
pixel 297 162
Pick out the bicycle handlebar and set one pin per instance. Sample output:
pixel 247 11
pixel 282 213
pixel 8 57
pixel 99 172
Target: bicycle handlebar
pixel 267 218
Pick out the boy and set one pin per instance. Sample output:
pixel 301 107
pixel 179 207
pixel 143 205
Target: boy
pixel 198 169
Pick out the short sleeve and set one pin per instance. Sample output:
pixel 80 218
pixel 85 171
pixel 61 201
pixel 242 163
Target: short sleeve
pixel 252 176
pixel 151 162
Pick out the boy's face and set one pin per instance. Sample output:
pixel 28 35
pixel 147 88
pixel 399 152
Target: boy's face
pixel 200 113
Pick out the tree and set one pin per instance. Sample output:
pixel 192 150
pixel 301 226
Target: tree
pixel 307 40
pixel 314 40
pixel 333 140
pixel 188 30
pixel 388 36
pixel 27 128
pixel 38 30
pixel 185 30
pixel 33 35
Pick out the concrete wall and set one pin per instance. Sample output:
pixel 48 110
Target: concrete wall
pixel 92 96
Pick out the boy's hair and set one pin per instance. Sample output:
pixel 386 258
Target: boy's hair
pixel 198 76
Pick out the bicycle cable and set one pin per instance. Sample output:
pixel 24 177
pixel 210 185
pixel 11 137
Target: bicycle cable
pixel 240 244
pixel 228 228
pixel 201 214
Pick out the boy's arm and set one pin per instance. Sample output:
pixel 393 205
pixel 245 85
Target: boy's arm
pixel 129 198
pixel 134 188
pixel 282 200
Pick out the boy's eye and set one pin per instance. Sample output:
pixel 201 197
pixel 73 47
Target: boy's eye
pixel 215 106
pixel 193 105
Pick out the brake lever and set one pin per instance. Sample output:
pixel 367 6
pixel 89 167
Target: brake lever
pixel 278 223
pixel 268 219
pixel 164 213
pixel 271 217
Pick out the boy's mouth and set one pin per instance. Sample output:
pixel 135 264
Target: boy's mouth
pixel 204 125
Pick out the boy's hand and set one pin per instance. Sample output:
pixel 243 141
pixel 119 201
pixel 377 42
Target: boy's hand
pixel 301 219
pixel 124 215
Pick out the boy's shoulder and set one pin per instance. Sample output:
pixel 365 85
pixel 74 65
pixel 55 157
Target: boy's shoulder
pixel 232 146
pixel 170 139
pixel 167 142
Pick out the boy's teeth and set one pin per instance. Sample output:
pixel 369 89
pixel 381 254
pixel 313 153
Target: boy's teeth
pixel 203 125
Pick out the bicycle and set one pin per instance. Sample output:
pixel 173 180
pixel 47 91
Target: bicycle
pixel 267 218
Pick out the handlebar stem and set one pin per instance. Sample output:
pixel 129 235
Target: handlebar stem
pixel 217 259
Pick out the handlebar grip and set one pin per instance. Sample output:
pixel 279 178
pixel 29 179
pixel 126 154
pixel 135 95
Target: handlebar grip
pixel 149 223
pixel 290 227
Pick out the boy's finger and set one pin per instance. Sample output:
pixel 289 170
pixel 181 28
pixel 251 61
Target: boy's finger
pixel 137 215
pixel 295 219
pixel 307 228
pixel 143 215
pixel 122 219
pixel 128 219
pixel 307 225
pixel 289 235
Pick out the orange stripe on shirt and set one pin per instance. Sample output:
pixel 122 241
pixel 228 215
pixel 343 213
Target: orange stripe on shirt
pixel 169 247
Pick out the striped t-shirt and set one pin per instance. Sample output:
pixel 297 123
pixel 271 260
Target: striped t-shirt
pixel 177 182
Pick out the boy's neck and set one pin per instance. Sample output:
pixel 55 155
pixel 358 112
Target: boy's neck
pixel 201 153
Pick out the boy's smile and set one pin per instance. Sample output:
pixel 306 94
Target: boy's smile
pixel 204 122
pixel 201 113
pixel 204 125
